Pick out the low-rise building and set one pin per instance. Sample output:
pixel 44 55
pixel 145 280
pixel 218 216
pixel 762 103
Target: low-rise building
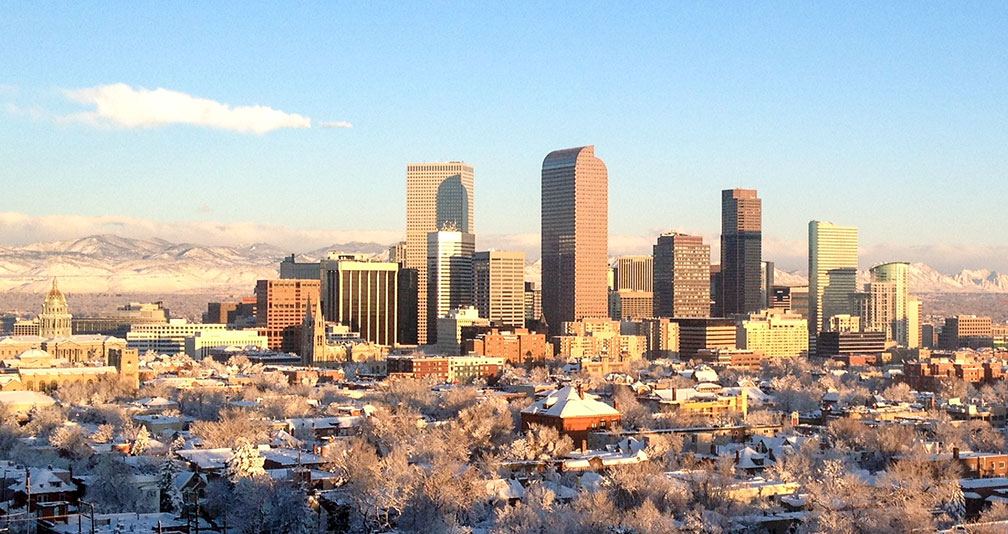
pixel 775 333
pixel 449 369
pixel 572 412
pixel 516 347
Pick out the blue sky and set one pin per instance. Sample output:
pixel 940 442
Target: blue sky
pixel 888 116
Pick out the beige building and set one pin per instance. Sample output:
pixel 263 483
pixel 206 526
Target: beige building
pixel 167 338
pixel 436 194
pixel 774 333
pixel 634 273
pixel 682 283
pixel 449 340
pixel 200 344
pixel 833 265
pixel 661 335
pixel 575 235
pixel 599 338
pixel 844 322
pixel 499 287
pixel 629 304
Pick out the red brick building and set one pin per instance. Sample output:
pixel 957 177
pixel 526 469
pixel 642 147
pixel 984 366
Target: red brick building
pixel 280 310
pixel 572 412
pixel 516 347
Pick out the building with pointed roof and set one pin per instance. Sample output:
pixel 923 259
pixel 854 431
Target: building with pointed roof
pixel 573 412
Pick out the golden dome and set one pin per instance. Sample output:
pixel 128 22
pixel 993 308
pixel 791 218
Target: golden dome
pixel 55 295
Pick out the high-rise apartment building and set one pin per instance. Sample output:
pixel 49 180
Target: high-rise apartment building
pixel 681 276
pixel 741 251
pixel 888 300
pixel 362 295
pixel 499 287
pixel 833 265
pixel 436 194
pixel 280 306
pixel 575 235
pixel 449 275
pixel 634 273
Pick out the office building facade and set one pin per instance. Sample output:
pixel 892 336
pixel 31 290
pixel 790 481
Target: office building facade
pixel 449 275
pixel 741 251
pixel 833 265
pixel 575 235
pixel 499 287
pixel 436 194
pixel 362 295
pixel 681 276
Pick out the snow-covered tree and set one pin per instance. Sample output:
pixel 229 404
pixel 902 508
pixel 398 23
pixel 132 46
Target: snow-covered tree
pixel 171 497
pixel 245 462
pixel 141 442
pixel 103 434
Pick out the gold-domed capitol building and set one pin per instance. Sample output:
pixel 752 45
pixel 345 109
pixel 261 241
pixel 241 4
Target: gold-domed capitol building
pixel 55 320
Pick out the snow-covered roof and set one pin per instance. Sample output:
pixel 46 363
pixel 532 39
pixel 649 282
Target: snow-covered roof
pixel 568 402
pixel 26 398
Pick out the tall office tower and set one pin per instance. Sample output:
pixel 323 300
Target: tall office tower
pixel 450 275
pixel 436 193
pixel 741 251
pixel 833 265
pixel 766 283
pixel 499 287
pixel 280 309
pixel 634 273
pixel 682 273
pixel 575 235
pixel 362 295
pixel 887 302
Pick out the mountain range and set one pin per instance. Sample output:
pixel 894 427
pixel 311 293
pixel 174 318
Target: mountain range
pixel 114 264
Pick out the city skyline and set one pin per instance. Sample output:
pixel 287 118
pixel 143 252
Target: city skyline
pixel 756 99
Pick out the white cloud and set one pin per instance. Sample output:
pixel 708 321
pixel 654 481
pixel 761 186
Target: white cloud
pixel 120 105
pixel 335 124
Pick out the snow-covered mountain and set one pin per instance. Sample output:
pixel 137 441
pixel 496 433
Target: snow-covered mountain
pixel 924 279
pixel 109 263
pixel 114 264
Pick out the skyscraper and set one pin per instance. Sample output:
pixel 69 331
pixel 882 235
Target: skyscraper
pixel 499 287
pixel 888 302
pixel 741 251
pixel 436 194
pixel 450 275
pixel 681 276
pixel 362 295
pixel 833 264
pixel 575 235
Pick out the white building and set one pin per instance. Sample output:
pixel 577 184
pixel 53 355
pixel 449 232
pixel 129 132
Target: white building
pixel 166 338
pixel 198 345
pixel 449 328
